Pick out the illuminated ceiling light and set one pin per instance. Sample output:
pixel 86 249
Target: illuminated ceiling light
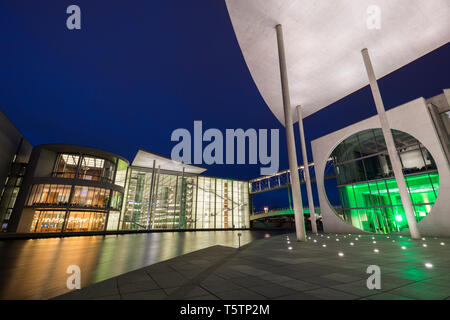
pixel 359 236
pixel 356 239
pixel 376 250
pixel 328 237
pixel 345 237
pixel 315 240
pixel 393 240
pixel 352 244
pixel 374 242
pixel 288 242
pixel 399 218
pixel 373 238
pixel 401 236
pixel 340 254
pixel 324 245
pixel 428 265
pixel 423 239
pixel 403 248
pixel 424 245
pixel 442 243
pixel 290 248
pixel 309 238
pixel 387 237
pixel 337 239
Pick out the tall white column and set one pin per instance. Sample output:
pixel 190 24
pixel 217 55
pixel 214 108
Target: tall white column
pixel 392 151
pixel 293 166
pixel 312 212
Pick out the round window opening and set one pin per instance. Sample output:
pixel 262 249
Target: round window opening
pixel 368 193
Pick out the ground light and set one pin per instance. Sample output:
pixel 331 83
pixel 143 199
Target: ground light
pixel 424 245
pixel 442 243
pixel 376 250
pixel 351 243
pixel 324 245
pixel 428 265
pixel 290 248
pixel 403 248
pixel 340 254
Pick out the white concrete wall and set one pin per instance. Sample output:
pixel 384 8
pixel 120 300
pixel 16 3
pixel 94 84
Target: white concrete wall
pixel 414 119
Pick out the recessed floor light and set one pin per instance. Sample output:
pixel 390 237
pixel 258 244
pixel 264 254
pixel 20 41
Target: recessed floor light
pixel 442 243
pixel 376 250
pixel 393 240
pixel 423 239
pixel 324 245
pixel 290 248
pixel 374 242
pixel 351 243
pixel 340 254
pixel 428 265
pixel 314 240
pixel 403 248
pixel 337 239
pixel 424 245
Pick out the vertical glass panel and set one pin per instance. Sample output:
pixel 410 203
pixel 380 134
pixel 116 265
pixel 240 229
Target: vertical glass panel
pixel 362 195
pixel 113 220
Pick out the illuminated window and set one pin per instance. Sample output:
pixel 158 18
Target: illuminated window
pixel 368 191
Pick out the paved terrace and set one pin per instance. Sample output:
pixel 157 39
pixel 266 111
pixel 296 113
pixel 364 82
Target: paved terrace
pixel 274 268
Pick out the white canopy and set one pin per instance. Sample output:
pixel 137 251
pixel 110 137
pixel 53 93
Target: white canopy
pixel 145 159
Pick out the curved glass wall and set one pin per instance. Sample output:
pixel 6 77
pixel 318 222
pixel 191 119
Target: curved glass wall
pixel 184 202
pixel 90 197
pixel 368 191
pixel 49 195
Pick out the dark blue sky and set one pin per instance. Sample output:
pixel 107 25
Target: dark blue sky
pixel 139 69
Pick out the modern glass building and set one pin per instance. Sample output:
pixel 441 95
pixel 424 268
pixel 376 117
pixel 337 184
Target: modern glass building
pixel 78 189
pixel 71 189
pixel 367 187
pixel 160 196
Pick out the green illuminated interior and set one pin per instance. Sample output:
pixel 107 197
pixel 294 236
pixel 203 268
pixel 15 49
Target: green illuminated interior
pixel 375 206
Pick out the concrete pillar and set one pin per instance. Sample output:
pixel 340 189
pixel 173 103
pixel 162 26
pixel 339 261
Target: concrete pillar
pixel 293 165
pixel 392 151
pixel 312 212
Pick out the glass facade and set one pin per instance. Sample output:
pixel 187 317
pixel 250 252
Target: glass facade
pixel 49 194
pixel 152 200
pixel 10 192
pixel 189 202
pixel 368 191
pixel 78 221
pixel 75 208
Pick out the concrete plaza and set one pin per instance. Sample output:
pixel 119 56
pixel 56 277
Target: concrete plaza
pixel 328 266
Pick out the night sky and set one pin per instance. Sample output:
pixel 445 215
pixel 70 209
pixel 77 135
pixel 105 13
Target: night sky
pixel 137 70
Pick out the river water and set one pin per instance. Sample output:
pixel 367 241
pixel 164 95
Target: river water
pixel 36 268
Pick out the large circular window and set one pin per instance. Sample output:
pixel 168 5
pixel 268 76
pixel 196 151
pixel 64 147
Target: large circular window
pixel 369 195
